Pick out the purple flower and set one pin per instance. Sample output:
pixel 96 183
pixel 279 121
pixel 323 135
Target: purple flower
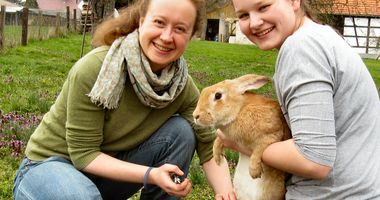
pixel 15 130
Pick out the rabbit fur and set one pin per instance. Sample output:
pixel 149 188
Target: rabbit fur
pixel 251 121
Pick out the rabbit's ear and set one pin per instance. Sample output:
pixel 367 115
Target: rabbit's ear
pixel 250 82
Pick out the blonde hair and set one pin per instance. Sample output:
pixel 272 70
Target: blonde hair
pixel 128 21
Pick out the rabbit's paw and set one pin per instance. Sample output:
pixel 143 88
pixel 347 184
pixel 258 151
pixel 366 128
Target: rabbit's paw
pixel 218 158
pixel 255 171
pixel 218 151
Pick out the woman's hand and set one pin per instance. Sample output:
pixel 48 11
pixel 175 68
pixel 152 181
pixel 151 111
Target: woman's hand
pixel 226 196
pixel 226 142
pixel 231 144
pixel 161 176
pixel 219 179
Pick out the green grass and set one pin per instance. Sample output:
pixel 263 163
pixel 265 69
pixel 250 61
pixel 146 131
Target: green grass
pixel 374 69
pixel 227 61
pixel 211 62
pixel 31 77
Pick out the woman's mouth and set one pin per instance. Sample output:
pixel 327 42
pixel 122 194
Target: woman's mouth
pixel 161 48
pixel 264 32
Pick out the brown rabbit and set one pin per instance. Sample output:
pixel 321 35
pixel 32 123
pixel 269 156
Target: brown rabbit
pixel 252 121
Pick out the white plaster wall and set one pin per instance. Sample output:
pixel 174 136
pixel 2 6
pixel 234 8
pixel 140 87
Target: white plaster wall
pixel 222 27
pixel 362 31
pixel 240 38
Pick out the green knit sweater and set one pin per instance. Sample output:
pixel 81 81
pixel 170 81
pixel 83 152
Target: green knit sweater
pixel 78 130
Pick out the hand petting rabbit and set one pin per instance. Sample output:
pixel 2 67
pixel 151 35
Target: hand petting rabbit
pixel 252 121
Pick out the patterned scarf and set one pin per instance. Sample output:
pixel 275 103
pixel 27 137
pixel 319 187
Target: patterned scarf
pixel 152 90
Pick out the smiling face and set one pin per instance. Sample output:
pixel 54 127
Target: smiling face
pixel 166 30
pixel 267 23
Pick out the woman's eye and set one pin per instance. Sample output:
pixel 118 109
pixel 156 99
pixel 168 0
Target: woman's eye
pixel 158 22
pixel 264 8
pixel 218 95
pixel 243 16
pixel 180 29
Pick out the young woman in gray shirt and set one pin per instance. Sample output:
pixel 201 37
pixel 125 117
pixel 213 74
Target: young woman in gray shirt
pixel 328 98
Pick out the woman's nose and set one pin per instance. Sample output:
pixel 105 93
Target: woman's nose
pixel 167 34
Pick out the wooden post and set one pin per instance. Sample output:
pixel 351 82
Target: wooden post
pixel 57 23
pixel 368 34
pixel 24 35
pixel 356 34
pixel 84 28
pixel 203 25
pixel 75 20
pixel 68 18
pixel 40 22
pixel 2 26
pixel 92 20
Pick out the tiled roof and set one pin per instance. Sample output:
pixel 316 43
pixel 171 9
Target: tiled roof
pixel 353 7
pixel 57 5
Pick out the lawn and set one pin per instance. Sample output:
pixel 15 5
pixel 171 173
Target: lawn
pixel 31 78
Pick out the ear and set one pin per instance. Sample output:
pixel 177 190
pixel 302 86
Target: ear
pixel 296 4
pixel 141 21
pixel 250 82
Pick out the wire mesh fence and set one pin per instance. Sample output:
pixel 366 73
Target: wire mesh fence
pixel 18 26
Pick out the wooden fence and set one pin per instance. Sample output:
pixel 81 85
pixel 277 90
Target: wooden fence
pixel 21 26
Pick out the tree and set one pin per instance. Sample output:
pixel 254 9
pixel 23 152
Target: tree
pixel 102 9
pixel 31 4
pixel 324 12
pixel 212 5
pixel 209 6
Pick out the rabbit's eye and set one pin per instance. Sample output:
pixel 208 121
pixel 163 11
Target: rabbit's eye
pixel 218 95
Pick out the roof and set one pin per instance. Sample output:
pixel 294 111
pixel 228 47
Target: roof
pixel 57 5
pixel 10 7
pixel 8 4
pixel 354 7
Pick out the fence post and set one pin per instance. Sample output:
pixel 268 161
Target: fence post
pixel 40 22
pixel 57 23
pixel 2 26
pixel 75 20
pixel 68 18
pixel 24 35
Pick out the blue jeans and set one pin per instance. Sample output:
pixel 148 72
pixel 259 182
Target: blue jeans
pixel 56 178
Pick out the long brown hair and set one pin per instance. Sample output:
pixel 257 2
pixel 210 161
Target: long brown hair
pixel 128 21
pixel 306 8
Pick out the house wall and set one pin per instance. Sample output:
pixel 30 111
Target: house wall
pixel 239 37
pixel 362 14
pixel 364 41
pixel 355 7
pixel 223 15
pixel 363 34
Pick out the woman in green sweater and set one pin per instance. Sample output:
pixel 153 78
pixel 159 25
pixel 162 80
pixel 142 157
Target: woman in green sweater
pixel 123 119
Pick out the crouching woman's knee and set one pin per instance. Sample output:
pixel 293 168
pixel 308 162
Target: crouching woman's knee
pixel 184 132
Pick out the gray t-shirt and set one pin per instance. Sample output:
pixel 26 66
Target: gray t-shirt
pixel 331 103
